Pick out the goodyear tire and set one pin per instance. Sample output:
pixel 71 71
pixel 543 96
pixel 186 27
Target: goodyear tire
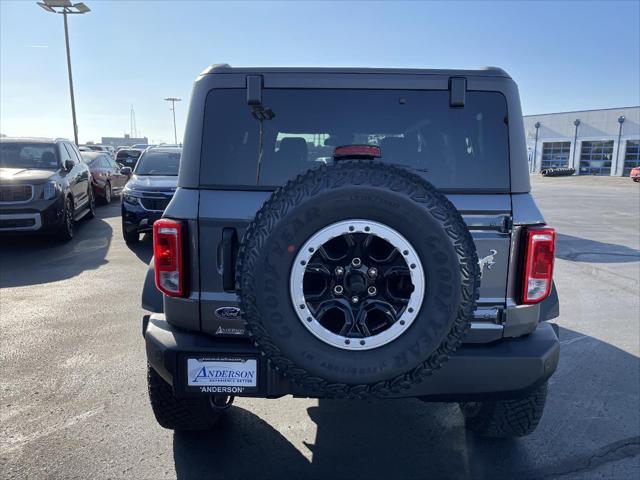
pixel 181 414
pixel 506 418
pixel 357 279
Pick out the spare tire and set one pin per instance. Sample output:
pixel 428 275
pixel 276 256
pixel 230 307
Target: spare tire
pixel 357 279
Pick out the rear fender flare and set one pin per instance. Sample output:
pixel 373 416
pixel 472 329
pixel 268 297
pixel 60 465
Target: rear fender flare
pixel 151 296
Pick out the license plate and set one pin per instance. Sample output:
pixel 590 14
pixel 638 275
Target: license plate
pixel 222 374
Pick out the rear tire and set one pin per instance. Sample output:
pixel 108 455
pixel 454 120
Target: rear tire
pixel 315 207
pixel 174 413
pixel 106 199
pixel 506 418
pixel 91 213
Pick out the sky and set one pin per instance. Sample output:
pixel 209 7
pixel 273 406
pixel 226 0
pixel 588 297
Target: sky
pixel 575 55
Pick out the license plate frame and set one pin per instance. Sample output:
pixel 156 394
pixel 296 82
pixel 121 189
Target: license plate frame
pixel 221 374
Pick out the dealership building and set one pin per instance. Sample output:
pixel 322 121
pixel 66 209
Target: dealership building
pixel 594 142
pixel 125 141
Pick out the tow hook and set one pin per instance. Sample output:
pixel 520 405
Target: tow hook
pixel 221 402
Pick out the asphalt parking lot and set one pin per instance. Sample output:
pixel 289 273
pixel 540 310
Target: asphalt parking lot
pixel 73 389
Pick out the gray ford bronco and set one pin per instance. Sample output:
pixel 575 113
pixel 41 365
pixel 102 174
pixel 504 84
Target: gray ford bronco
pixel 352 233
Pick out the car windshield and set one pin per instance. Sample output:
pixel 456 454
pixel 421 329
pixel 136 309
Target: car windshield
pixel 28 155
pixel 158 163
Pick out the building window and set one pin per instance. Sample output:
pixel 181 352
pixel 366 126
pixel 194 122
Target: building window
pixel 595 158
pixel 555 154
pixel 631 156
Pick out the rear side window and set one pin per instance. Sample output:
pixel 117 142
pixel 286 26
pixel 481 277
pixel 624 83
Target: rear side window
pixel 453 148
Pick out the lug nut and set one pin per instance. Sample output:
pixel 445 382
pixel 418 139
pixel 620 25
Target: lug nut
pixel 355 299
pixel 339 271
pixel 356 262
pixel 373 272
pixel 338 289
pixel 372 290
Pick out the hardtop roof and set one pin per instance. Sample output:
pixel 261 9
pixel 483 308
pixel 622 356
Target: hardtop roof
pixel 222 68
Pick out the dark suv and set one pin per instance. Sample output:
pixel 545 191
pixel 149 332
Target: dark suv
pixel 44 186
pixel 353 233
pixel 149 190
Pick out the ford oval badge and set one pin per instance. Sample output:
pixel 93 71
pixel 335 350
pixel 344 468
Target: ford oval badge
pixel 228 313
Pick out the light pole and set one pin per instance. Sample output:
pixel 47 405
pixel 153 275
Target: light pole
pixel 173 101
pixel 535 147
pixel 65 8
pixel 576 123
pixel 614 169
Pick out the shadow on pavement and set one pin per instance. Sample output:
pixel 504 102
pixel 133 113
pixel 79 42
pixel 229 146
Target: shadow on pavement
pixel 577 249
pixel 591 421
pixel 37 259
pixel 242 446
pixel 111 210
pixel 144 248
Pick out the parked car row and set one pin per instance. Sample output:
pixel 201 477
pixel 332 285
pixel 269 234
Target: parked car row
pixel 48 185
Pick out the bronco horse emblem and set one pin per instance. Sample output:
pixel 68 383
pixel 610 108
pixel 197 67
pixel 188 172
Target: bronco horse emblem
pixel 487 261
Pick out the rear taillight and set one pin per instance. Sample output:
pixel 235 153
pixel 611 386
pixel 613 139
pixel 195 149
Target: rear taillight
pixel 167 254
pixel 538 268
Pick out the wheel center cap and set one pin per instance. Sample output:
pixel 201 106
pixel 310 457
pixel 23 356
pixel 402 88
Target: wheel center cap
pixel 356 282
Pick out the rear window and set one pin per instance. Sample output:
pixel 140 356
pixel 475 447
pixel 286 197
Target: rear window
pixel 453 148
pixel 158 163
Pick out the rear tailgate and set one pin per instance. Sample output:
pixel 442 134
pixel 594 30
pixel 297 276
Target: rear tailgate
pixel 225 214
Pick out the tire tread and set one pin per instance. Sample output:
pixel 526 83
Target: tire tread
pixel 508 418
pixel 178 413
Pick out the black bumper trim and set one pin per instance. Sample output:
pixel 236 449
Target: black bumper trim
pixel 502 369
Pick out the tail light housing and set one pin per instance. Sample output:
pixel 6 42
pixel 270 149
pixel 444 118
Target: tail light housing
pixel 168 257
pixel 538 268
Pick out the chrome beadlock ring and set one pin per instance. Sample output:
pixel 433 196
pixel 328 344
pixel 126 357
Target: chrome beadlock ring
pixel 410 306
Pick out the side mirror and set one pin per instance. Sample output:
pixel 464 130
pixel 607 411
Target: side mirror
pixel 68 165
pixel 120 166
pixel 126 171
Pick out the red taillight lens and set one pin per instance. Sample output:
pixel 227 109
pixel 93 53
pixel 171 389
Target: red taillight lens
pixel 167 254
pixel 538 270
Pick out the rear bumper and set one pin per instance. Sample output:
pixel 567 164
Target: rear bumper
pixel 503 369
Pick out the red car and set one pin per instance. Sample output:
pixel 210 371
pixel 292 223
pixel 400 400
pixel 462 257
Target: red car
pixel 635 174
pixel 106 177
